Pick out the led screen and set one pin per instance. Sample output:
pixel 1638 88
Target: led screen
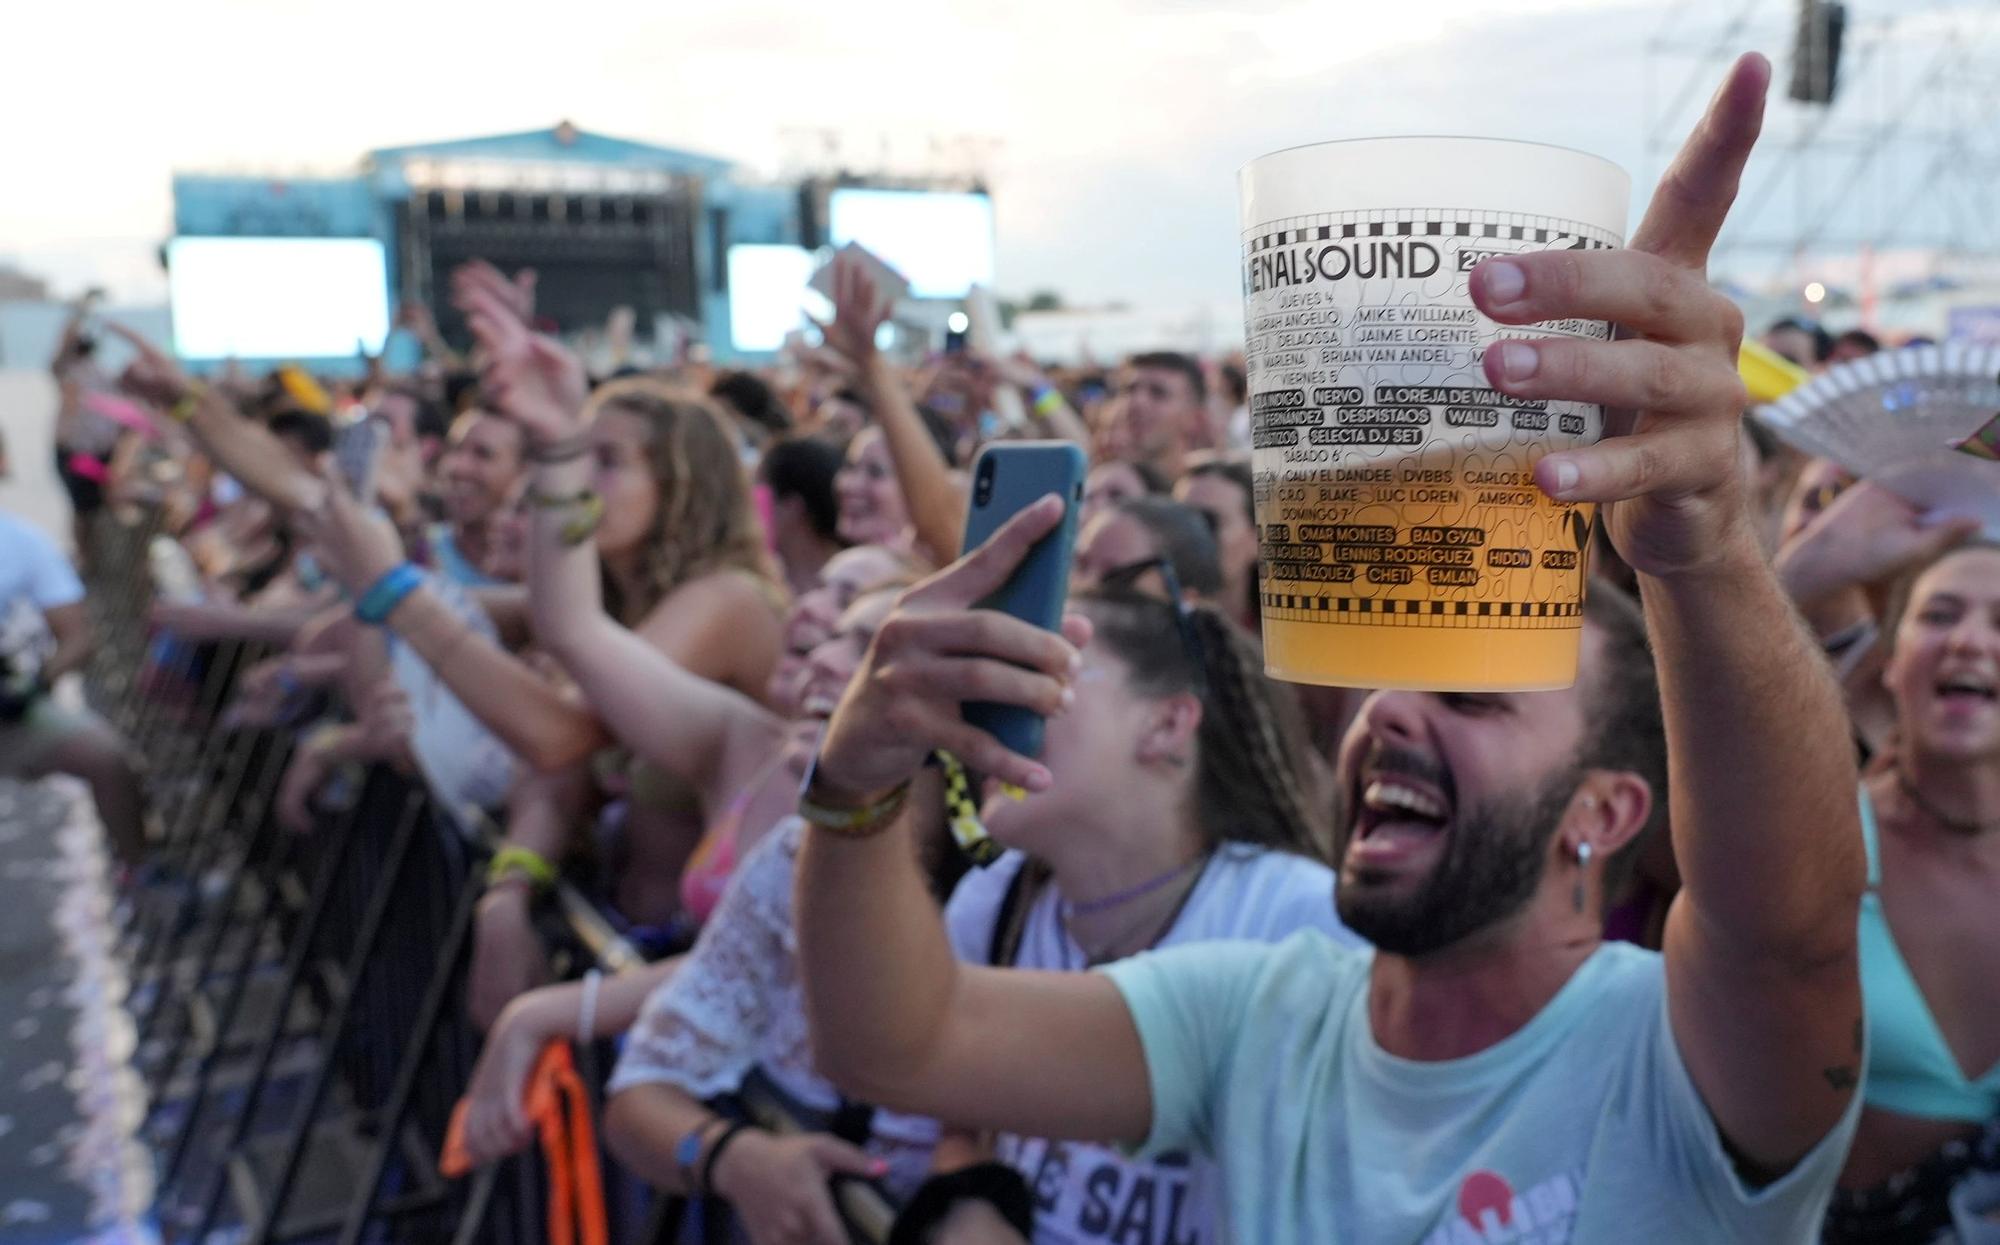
pixel 767 294
pixel 277 298
pixel 942 242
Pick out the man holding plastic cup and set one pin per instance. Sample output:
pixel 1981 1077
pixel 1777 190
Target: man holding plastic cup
pixel 1492 1071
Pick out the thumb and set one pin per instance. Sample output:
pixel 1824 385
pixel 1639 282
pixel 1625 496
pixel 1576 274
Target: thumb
pixel 1941 534
pixel 982 571
pixel 840 1158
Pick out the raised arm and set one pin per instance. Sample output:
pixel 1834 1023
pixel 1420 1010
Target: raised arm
pixel 896 1019
pixel 246 449
pixel 72 333
pixel 935 501
pixel 1761 964
pixel 230 620
pixel 527 712
pixel 690 725
pixel 417 318
pixel 1045 402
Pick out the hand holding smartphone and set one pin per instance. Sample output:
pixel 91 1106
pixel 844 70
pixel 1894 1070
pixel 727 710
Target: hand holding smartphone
pixel 357 450
pixel 1007 479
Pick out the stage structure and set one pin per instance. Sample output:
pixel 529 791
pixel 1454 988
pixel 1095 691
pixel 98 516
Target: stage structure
pixel 1880 135
pixel 606 223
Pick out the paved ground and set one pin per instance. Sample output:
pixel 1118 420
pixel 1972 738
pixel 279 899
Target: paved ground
pixel 69 1169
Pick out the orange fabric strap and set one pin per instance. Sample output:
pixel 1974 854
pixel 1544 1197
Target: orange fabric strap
pixel 560 1108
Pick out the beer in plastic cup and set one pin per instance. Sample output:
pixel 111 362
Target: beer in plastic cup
pixel 1404 541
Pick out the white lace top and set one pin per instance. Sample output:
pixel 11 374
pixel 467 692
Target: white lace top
pixel 736 1004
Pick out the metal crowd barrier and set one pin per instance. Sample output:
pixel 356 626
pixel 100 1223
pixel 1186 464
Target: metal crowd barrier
pixel 299 1000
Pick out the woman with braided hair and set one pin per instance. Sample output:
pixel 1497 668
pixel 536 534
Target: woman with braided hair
pixel 1183 810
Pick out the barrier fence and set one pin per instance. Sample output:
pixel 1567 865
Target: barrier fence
pixel 299 999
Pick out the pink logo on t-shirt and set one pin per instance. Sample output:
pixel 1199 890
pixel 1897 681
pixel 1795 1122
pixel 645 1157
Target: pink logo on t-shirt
pixel 1485 1192
pixel 1490 1212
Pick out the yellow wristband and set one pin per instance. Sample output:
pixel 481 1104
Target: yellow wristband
pixel 846 820
pixel 184 410
pixel 525 861
pixel 586 512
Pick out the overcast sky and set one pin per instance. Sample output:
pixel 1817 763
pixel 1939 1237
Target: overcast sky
pixel 1122 121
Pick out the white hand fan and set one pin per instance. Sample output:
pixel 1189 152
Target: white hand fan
pixel 1923 423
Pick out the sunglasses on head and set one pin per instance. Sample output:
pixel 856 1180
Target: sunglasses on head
pixel 1127 577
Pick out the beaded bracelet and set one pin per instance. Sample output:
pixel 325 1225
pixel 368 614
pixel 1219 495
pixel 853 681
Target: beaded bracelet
pixel 568 449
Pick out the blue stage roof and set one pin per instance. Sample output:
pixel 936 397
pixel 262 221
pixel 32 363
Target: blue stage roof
pixel 562 143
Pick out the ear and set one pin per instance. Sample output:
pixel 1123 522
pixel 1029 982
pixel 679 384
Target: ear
pixel 1608 811
pixel 1891 671
pixel 1169 731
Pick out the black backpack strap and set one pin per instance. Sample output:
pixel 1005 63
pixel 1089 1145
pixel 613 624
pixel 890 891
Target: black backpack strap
pixel 1012 918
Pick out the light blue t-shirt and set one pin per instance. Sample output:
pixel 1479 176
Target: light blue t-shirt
pixel 452 563
pixel 1583 1127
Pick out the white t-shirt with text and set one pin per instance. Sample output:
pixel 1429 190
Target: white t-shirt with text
pixel 1085 1194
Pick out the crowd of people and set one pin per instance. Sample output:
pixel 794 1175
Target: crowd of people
pixel 1699 950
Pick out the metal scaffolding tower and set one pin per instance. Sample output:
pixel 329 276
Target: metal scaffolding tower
pixel 1906 157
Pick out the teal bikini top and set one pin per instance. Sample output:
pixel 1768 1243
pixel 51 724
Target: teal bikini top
pixel 1911 1070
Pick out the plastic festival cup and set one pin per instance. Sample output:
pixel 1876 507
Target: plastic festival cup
pixel 1404 541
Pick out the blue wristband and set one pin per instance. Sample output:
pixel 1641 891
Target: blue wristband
pixel 387 593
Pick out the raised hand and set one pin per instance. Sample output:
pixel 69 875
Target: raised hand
pixel 356 546
pixel 935 652
pixel 527 377
pixel 1668 470
pixel 1863 538
pixel 153 375
pixel 516 292
pixel 859 310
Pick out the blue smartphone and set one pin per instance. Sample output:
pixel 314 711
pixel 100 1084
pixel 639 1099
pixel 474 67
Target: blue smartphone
pixel 1007 479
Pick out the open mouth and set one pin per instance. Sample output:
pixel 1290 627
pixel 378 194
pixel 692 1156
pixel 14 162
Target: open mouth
pixel 1396 815
pixel 818 705
pixel 1967 689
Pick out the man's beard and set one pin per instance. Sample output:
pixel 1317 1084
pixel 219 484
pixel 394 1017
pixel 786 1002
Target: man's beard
pixel 1491 867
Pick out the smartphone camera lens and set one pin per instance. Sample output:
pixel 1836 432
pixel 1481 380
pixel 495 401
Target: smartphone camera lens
pixel 982 484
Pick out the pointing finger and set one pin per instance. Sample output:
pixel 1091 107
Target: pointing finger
pixel 1695 194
